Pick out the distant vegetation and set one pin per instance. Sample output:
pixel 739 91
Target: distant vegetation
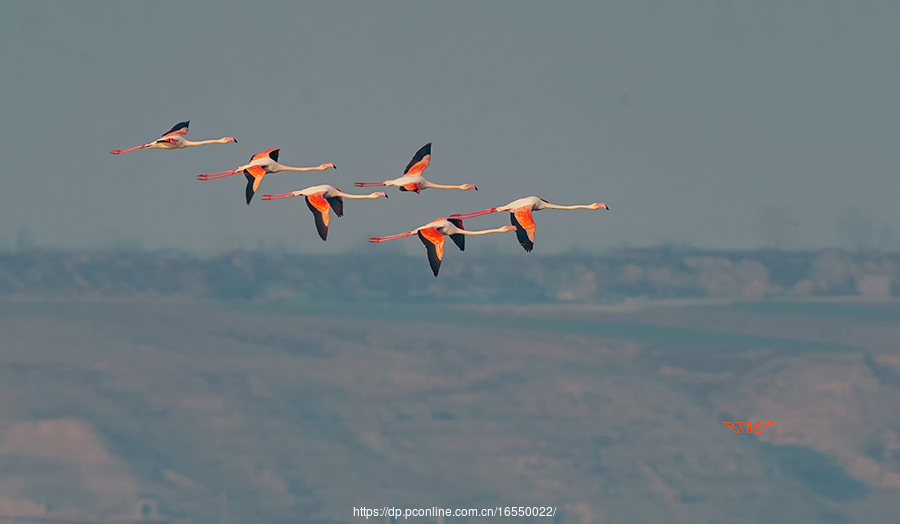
pixel 654 273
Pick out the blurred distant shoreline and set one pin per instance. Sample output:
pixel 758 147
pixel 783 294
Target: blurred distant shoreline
pixel 618 280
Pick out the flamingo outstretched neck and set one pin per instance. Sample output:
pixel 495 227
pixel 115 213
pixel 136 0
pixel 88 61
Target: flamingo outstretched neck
pixel 464 187
pixel 223 140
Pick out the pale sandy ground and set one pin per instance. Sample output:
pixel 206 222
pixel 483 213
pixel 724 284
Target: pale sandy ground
pixel 204 412
pixel 637 305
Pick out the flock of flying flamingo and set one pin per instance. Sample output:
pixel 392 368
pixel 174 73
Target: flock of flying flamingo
pixel 323 199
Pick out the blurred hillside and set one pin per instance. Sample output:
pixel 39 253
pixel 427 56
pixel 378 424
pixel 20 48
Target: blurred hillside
pixel 193 414
pixel 256 391
pixel 654 273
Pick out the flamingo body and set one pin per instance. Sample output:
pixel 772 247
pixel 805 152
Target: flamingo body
pixel 412 179
pixel 432 236
pixel 520 215
pixel 320 199
pixel 174 139
pixel 260 165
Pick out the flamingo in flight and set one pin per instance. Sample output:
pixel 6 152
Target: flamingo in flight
pixel 174 139
pixel 261 164
pixel 520 215
pixel 412 179
pixel 320 199
pixel 432 235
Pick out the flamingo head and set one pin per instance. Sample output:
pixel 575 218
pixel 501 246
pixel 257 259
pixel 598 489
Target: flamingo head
pixel 508 228
pixel 326 166
pixel 230 139
pixel 467 187
pixel 600 205
pixel 381 194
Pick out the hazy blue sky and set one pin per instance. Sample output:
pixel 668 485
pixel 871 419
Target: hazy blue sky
pixel 687 118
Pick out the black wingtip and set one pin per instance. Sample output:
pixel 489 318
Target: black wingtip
pixel 249 192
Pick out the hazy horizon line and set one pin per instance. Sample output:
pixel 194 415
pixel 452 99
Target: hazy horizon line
pixel 686 247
